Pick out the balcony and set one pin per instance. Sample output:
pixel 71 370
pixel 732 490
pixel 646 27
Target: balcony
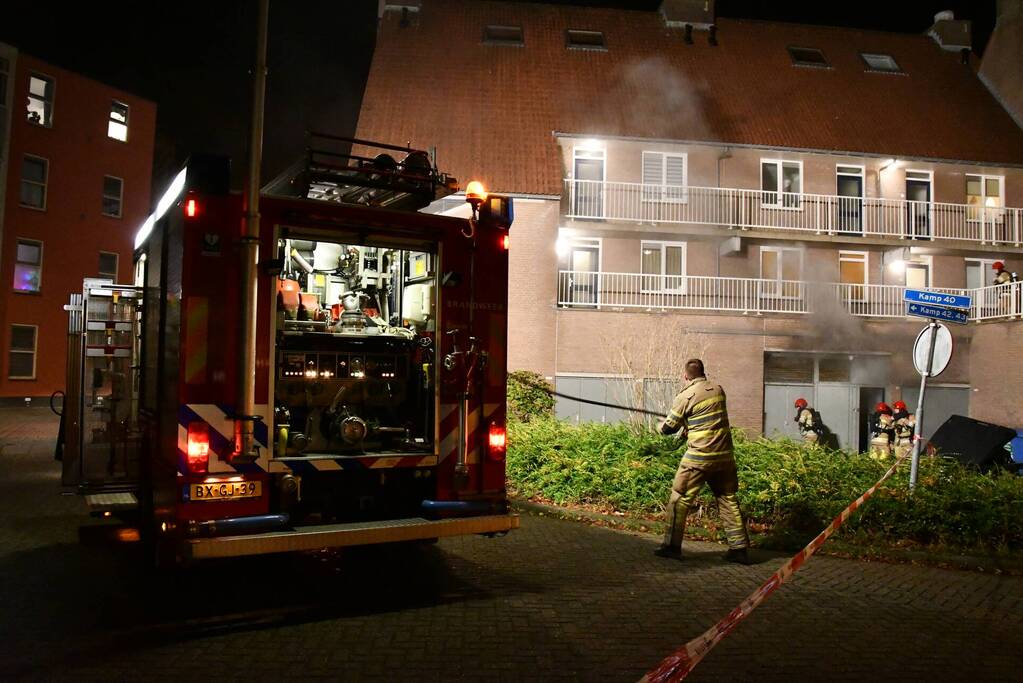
pixel 817 214
pixel 634 291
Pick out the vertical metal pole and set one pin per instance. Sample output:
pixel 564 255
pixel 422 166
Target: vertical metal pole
pixel 249 247
pixel 917 438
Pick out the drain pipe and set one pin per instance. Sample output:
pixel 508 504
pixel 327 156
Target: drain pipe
pixel 245 417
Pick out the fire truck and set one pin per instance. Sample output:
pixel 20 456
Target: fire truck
pixel 380 362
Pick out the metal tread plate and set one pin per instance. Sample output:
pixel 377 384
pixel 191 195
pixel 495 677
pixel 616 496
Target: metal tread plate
pixel 338 535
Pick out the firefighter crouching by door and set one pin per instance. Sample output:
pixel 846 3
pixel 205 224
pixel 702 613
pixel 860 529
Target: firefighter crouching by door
pixel 904 424
pixel 882 432
pixel 808 421
pixel 700 412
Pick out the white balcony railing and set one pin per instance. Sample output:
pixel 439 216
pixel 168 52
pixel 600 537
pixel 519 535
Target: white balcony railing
pixel 807 213
pixel 618 291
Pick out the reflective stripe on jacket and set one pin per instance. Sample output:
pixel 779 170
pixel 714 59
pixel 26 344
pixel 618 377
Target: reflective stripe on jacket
pixel 700 409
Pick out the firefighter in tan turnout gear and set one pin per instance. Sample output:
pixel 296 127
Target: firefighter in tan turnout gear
pixel 905 425
pixel 700 412
pixel 808 421
pixel 882 432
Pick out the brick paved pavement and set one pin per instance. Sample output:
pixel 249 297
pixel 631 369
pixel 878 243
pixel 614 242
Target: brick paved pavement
pixel 556 600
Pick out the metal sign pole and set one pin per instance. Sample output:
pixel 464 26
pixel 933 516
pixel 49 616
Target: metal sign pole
pixel 917 438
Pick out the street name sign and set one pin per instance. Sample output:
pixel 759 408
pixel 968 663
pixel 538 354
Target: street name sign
pixel 950 315
pixel 921 296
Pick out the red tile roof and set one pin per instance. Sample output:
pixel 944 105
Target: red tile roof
pixel 491 110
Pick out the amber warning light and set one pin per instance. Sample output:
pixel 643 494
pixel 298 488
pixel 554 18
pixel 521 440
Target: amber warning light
pixel 191 208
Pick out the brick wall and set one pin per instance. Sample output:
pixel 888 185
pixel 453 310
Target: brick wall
pixel 996 373
pixel 532 291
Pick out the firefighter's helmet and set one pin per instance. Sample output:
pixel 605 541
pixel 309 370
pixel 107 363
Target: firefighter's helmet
pixel 998 265
pixel 899 405
pixel 882 407
pixel 801 403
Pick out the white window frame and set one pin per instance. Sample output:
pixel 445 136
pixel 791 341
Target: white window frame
pixel 51 102
pixel 774 288
pixel 920 260
pixel 572 242
pixel 595 153
pixel 45 184
pixel 35 242
pixel 995 211
pixel 663 247
pixel 117 264
pixel 659 192
pixel 852 256
pixel 113 122
pixel 12 350
pixel 780 203
pixel 867 66
pixel 120 198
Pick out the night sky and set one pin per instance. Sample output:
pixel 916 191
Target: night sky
pixel 193 59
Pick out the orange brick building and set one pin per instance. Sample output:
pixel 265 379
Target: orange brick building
pixel 75 163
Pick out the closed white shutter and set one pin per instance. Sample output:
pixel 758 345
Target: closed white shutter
pixel 675 177
pixel 653 175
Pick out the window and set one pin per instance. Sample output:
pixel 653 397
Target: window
pixel 788 368
pixel 108 265
pixel 579 261
pixel 113 192
pixel 494 34
pixel 782 267
pixel 808 56
pixel 980 272
pixel 834 369
pixel 28 266
pixel 918 273
pixel 40 100
pixel 664 177
pixel 34 171
pixel 852 272
pixel 21 360
pixel 781 182
pixel 117 126
pixel 663 266
pixel 585 40
pixel 984 196
pixel 882 63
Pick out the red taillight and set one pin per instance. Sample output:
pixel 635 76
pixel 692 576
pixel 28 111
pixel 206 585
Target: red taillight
pixel 198 447
pixel 498 440
pixel 191 208
pixel 505 242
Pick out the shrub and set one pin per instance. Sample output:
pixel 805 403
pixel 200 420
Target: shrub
pixel 787 489
pixel 529 396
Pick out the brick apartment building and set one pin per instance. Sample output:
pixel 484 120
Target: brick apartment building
pixel 75 165
pixel 757 193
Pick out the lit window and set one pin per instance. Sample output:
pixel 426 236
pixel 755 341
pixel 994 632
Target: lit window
pixel 585 40
pixel 984 197
pixel 40 100
pixel 28 266
pixel 21 360
pixel 883 63
pixel 781 182
pixel 918 272
pixel 808 56
pixel 33 181
pixel 503 35
pixel 664 177
pixel 113 192
pixel 782 270
pixel 852 267
pixel 117 126
pixel 108 265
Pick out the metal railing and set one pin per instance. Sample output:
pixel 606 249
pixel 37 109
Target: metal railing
pixel 807 213
pixel 636 291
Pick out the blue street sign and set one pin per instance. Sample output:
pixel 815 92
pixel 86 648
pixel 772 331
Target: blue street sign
pixel 951 315
pixel 937 298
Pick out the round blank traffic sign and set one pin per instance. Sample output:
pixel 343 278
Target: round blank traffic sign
pixel 942 350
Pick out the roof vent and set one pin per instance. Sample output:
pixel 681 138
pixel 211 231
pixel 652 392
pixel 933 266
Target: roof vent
pixel 950 33
pixel 678 13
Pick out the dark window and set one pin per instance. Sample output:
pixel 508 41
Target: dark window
pixel 21 360
pixel 503 35
pixel 117 126
pixel 113 190
pixel 40 100
pixel 788 367
pixel 883 63
pixel 108 265
pixel 808 56
pixel 28 266
pixel 585 40
pixel 33 181
pixel 834 369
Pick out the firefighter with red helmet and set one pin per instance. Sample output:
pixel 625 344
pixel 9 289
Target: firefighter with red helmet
pixel 808 421
pixel 1002 276
pixel 882 432
pixel 904 424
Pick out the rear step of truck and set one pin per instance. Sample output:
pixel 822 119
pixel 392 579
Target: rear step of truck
pixel 100 504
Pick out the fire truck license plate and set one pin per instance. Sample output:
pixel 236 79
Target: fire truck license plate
pixel 226 490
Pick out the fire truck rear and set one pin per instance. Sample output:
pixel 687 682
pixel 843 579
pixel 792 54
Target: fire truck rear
pixel 381 346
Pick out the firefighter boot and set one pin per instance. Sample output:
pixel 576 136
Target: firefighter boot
pixel 669 552
pixel 738 555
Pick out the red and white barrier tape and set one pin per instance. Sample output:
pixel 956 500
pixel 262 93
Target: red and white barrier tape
pixel 680 663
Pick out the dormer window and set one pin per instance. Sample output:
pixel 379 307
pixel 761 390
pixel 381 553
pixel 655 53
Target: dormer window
pixel 495 34
pixel 808 56
pixel 882 63
pixel 576 39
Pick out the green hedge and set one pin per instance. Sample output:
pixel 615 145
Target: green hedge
pixel 786 489
pixel 529 396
